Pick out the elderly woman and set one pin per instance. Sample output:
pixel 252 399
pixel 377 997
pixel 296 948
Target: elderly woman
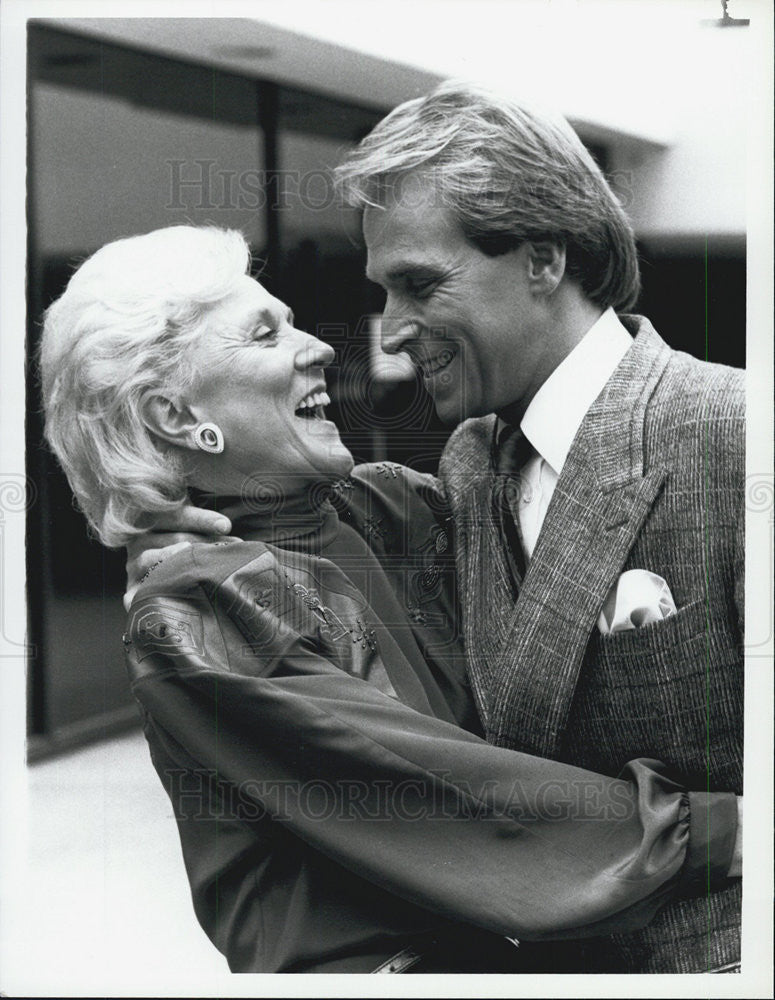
pixel 303 691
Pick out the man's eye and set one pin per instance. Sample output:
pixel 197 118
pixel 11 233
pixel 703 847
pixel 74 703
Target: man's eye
pixel 421 289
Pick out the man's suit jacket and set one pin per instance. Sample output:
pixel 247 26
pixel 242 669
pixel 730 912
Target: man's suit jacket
pixel 654 480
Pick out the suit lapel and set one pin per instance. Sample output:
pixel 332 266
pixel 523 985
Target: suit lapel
pixel 601 501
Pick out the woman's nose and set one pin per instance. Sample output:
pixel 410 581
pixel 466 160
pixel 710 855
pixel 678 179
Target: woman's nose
pixel 313 353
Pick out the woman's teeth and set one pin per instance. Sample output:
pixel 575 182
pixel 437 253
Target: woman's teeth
pixel 311 407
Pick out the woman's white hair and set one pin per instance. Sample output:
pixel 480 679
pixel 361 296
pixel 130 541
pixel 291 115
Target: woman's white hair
pixel 118 334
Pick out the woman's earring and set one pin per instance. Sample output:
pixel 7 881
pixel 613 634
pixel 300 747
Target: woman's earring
pixel 209 437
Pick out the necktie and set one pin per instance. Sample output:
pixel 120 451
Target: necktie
pixel 513 451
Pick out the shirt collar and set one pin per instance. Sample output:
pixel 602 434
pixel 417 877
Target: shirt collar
pixel 555 413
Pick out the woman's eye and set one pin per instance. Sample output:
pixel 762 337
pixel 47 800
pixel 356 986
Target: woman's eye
pixel 264 332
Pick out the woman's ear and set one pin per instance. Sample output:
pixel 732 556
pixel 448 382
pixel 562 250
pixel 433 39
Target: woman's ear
pixel 545 263
pixel 170 420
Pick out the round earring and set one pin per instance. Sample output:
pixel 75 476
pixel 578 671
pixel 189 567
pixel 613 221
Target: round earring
pixel 209 437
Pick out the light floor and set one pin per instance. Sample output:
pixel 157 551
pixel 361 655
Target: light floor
pixel 105 893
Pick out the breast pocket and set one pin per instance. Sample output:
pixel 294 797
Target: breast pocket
pixel 678 647
pixel 671 690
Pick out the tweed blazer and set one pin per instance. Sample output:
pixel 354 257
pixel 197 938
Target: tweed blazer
pixel 654 480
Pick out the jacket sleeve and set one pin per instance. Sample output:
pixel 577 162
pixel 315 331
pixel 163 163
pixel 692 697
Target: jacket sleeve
pixel 514 844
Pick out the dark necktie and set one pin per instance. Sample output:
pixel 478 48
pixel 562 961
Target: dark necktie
pixel 513 451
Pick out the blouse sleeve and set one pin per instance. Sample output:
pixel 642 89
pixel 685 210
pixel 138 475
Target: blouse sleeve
pixel 517 845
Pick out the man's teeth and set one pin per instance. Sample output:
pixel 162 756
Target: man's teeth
pixel 435 364
pixel 313 404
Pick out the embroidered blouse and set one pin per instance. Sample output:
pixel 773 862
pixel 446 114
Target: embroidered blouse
pixel 306 706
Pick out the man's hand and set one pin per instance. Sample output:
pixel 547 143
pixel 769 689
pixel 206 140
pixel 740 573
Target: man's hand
pixel 171 534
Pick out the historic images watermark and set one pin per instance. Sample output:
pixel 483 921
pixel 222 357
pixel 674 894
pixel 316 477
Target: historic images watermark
pixel 201 794
pixel 207 184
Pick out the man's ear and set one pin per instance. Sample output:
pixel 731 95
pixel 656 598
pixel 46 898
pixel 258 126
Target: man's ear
pixel 545 266
pixel 170 419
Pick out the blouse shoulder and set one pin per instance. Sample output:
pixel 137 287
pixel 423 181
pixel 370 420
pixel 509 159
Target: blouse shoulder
pixel 394 483
pixel 184 618
pixel 396 509
pixel 198 565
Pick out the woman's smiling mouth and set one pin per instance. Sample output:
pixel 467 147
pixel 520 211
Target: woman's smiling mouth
pixel 312 406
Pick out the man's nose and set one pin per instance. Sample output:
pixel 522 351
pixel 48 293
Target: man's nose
pixel 396 327
pixel 313 353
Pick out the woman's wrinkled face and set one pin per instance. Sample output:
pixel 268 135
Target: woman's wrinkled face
pixel 261 381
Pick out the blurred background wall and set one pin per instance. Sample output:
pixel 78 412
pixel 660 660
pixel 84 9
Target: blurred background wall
pixel 140 123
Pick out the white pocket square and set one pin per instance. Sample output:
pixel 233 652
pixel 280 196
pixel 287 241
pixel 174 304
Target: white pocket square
pixel 637 598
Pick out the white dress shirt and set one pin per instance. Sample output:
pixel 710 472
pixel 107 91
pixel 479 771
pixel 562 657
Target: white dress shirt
pixel 555 413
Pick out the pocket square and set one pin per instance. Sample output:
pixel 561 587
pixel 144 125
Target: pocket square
pixel 637 598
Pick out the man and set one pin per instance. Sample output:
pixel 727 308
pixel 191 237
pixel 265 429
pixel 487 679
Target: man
pixel 597 478
pixel 505 257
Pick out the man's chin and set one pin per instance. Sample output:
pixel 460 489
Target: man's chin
pixel 451 412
